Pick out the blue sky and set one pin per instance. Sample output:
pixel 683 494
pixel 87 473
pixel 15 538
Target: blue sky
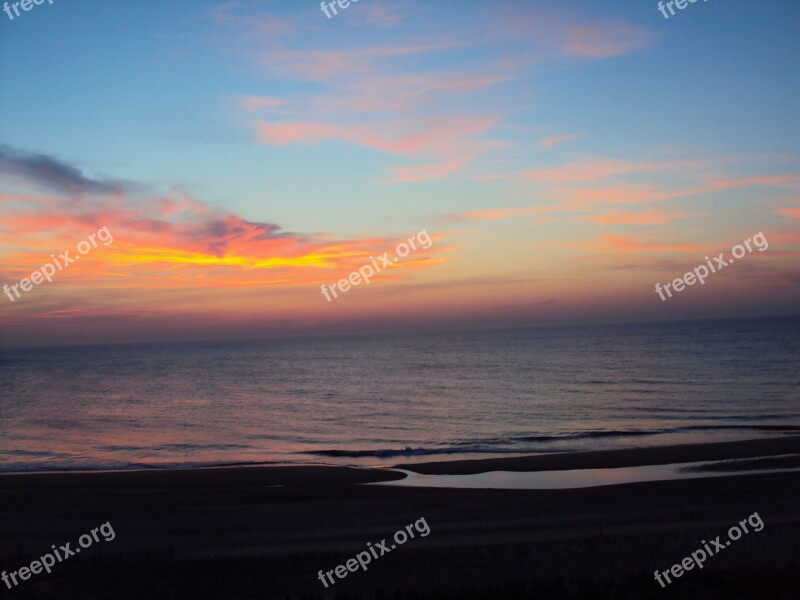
pixel 582 130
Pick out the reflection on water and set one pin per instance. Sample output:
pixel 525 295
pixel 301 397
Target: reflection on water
pixel 557 480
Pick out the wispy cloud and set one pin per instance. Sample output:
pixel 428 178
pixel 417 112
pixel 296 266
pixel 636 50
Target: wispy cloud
pixel 383 14
pixel 496 214
pixel 629 245
pixel 254 103
pixel 597 168
pixel 449 141
pixel 552 142
pixel 330 65
pixel 604 40
pixel 793 212
pixel 386 79
pixel 644 217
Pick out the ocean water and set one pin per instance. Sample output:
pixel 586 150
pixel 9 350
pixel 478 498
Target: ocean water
pixel 385 399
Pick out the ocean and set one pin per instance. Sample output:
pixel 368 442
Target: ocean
pixel 390 398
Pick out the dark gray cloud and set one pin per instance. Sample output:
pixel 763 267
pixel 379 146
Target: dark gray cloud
pixel 54 174
pixel 221 232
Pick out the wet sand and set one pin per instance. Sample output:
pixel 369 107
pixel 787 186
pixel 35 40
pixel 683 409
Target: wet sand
pixel 608 459
pixel 230 533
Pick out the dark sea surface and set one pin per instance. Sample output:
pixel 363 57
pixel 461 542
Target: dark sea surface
pixel 383 399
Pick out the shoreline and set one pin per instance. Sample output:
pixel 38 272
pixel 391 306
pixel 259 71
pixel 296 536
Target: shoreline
pixel 761 454
pixel 196 533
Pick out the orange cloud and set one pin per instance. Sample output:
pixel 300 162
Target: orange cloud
pixel 625 244
pixel 790 212
pixel 174 244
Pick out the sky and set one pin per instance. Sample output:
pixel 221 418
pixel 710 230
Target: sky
pixel 564 158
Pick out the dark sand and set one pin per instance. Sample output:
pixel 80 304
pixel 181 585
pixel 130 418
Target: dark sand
pixel 226 534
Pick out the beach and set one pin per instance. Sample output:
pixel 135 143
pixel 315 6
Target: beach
pixel 399 300
pixel 266 532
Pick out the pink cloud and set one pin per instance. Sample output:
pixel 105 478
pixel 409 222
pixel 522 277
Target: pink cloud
pixel 254 103
pixel 609 189
pixel 551 142
pixel 622 193
pixel 405 137
pixel 554 35
pixel 382 14
pixel 790 212
pixel 603 40
pixel 646 217
pixel 595 169
pixel 403 92
pixel 496 214
pixel 427 171
pixel 787 180
pixel 305 133
pixel 331 65
pixel 262 24
pixel 450 141
pixel 625 244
